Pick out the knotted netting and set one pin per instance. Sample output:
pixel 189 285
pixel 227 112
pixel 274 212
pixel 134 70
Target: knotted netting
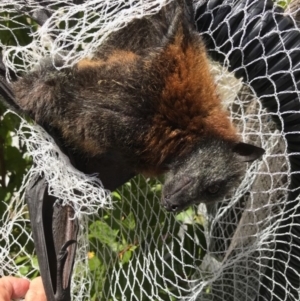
pixel 244 248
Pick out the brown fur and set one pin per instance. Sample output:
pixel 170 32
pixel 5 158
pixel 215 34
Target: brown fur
pixel 182 107
pixel 146 96
pixel 119 56
pixel 189 109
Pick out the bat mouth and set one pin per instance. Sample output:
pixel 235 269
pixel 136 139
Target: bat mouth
pixel 175 195
pixel 178 208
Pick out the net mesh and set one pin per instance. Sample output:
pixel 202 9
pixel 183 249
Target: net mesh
pixel 232 250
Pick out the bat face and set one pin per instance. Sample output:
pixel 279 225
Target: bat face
pixel 208 175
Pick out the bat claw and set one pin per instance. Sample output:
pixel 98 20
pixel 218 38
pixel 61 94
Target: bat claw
pixel 63 251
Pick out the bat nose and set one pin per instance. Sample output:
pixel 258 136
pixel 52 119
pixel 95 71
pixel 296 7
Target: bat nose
pixel 173 199
pixel 169 206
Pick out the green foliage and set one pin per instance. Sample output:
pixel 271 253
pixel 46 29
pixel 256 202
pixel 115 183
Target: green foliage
pixel 13 162
pixel 27 265
pixel 17 35
pixel 283 3
pixel 13 166
pixel 136 228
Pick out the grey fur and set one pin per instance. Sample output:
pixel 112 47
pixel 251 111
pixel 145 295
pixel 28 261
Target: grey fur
pixel 207 175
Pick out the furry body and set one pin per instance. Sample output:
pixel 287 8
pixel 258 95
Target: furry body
pixel 147 96
pixel 152 104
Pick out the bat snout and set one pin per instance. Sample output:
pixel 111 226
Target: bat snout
pixel 175 194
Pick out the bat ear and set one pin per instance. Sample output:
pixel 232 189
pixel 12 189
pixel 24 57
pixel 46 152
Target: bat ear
pixel 181 17
pixel 188 10
pixel 248 152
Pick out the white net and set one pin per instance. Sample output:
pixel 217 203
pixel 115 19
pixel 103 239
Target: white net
pixel 72 30
pixel 244 248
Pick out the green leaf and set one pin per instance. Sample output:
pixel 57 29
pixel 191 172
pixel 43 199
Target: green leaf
pixel 24 270
pixel 157 188
pixel 94 263
pixel 104 234
pixel 34 262
pixel 126 256
pixel 129 222
pixel 21 259
pixel 283 3
pixel 116 195
pixel 186 216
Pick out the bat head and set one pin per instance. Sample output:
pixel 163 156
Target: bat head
pixel 208 174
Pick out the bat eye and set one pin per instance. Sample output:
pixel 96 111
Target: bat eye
pixel 213 189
